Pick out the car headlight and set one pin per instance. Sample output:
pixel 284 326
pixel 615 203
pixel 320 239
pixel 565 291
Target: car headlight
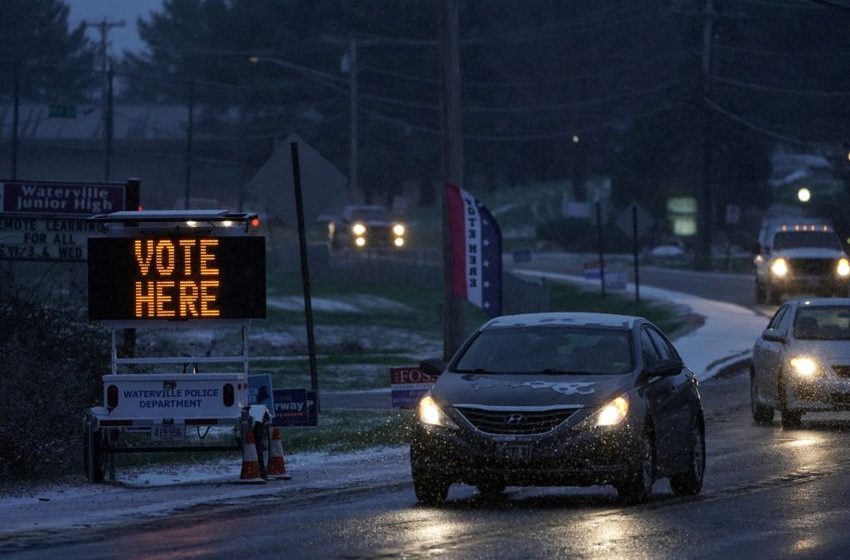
pixel 843 268
pixel 804 366
pixel 431 414
pixel 358 229
pixel 398 230
pixel 779 267
pixel 613 413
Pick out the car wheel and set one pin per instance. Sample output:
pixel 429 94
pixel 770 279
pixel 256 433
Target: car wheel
pixel 689 483
pixel 761 414
pixel 638 488
pixel 790 418
pixel 774 295
pixel 430 490
pixel 760 295
pixel 491 489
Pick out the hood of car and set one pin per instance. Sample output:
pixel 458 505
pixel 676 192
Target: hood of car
pixel 808 253
pixel 522 390
pixel 828 352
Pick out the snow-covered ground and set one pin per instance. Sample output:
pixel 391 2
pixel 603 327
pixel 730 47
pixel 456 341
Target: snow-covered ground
pixel 726 337
pixel 147 493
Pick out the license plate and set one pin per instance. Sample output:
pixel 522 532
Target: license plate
pixel 516 452
pixel 168 433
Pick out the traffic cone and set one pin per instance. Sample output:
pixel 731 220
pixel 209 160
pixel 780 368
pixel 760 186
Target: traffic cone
pixel 250 465
pixel 277 463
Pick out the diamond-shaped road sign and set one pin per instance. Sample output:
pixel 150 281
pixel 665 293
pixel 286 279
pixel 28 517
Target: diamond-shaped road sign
pixel 272 185
pixel 624 221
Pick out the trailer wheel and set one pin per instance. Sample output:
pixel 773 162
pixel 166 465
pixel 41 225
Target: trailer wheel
pixel 94 452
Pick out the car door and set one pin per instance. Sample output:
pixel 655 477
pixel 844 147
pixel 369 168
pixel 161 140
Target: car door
pixel 660 398
pixel 775 355
pixel 684 403
pixel 765 356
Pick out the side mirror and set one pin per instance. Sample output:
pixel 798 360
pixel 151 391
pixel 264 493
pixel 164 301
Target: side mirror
pixel 664 368
pixel 773 335
pixel 757 249
pixel 432 366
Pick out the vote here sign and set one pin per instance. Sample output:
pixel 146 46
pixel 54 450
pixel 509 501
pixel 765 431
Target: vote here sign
pixel 177 278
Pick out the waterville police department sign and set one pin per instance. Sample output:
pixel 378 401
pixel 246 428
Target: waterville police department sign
pixel 46 221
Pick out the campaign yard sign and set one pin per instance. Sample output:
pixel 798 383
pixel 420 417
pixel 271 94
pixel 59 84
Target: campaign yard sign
pixel 295 408
pixel 476 248
pixel 260 390
pixel 408 384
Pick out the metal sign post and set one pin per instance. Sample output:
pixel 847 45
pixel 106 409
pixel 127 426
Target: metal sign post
pixel 305 271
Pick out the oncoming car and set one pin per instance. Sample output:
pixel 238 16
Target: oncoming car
pixel 367 227
pixel 801 363
pixel 561 399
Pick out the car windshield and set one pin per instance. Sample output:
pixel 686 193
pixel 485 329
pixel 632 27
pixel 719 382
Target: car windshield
pixel 570 350
pixel 823 323
pixel 798 239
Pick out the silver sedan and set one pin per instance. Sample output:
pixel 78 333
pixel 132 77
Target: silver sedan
pixel 801 362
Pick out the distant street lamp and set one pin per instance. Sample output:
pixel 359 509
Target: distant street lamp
pixel 804 195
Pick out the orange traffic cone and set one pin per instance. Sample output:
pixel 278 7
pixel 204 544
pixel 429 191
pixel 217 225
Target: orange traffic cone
pixel 250 465
pixel 277 464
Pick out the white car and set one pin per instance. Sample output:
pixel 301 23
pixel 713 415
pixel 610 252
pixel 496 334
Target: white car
pixel 801 363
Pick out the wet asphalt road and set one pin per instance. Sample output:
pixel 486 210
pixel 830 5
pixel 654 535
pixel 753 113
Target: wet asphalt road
pixel 769 493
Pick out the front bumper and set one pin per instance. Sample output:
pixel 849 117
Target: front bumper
pixel 822 394
pixel 562 457
pixel 814 283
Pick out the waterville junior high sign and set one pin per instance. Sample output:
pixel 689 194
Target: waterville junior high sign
pixel 60 198
pixel 176 278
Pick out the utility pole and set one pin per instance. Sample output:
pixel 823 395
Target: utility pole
pixel 352 141
pixel 108 124
pixel 190 123
pixel 103 27
pixel 15 116
pixel 452 163
pixel 705 199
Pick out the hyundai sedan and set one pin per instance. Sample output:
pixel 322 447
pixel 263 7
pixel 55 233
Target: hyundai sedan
pixel 561 399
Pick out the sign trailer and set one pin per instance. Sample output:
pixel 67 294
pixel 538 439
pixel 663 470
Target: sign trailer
pixel 174 269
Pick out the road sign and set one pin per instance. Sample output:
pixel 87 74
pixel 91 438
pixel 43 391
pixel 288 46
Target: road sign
pixel 295 408
pixel 624 221
pixel 60 199
pixel 52 239
pixel 273 183
pixel 62 111
pixel 733 214
pixel 177 277
pixel 408 385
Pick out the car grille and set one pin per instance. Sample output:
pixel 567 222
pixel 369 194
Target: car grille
pixel 841 371
pixel 515 421
pixel 812 266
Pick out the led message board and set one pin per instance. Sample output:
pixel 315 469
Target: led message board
pixel 176 278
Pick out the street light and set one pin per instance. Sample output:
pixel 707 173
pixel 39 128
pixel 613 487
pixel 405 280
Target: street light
pixel 804 195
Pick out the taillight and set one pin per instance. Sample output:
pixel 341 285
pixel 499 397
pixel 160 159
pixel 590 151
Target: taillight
pixel 228 395
pixel 112 396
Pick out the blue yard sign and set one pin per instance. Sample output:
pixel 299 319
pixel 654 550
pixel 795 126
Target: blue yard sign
pixel 295 408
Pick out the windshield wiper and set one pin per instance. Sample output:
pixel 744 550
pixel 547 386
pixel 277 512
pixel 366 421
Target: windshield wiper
pixel 555 371
pixel 475 370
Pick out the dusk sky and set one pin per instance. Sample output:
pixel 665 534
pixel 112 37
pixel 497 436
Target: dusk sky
pixel 120 38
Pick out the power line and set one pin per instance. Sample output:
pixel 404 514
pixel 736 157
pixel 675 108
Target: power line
pixel 782 90
pixel 521 137
pixel 756 127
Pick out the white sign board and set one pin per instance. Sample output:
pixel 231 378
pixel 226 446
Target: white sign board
pixel 45 239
